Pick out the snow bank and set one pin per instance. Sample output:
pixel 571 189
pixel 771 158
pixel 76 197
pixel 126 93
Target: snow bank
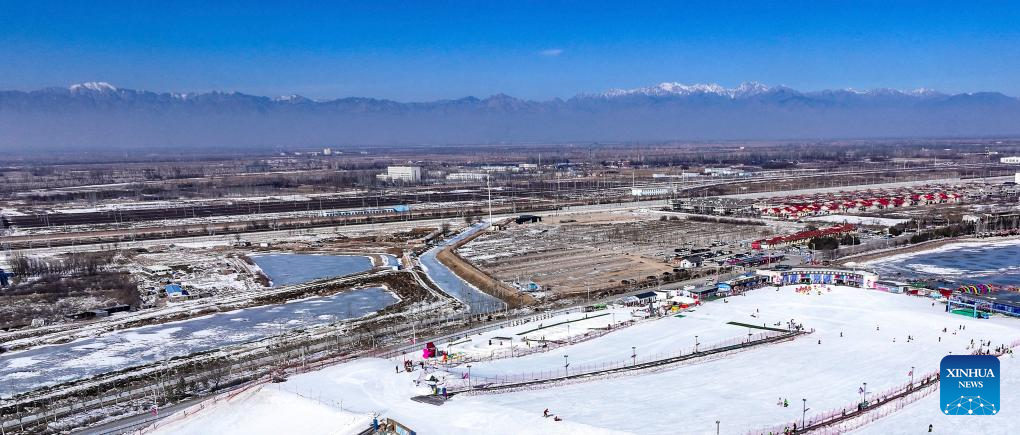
pixel 270 410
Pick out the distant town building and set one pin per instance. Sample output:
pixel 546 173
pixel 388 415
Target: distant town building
pixel 407 174
pixel 467 176
pixel 327 151
pixel 648 191
pixel 1014 160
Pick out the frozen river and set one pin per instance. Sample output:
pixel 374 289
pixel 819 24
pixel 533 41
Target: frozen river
pixel 286 269
pixel 34 368
pixel 966 263
pixel 478 301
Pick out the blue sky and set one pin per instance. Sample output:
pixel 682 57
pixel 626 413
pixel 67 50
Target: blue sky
pixel 412 51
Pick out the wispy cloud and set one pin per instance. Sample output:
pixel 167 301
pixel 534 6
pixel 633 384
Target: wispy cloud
pixel 552 52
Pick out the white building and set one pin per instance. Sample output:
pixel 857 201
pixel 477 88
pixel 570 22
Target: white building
pixel 1015 160
pixel 467 176
pixel 327 151
pixel 407 174
pixel 720 171
pixel 648 191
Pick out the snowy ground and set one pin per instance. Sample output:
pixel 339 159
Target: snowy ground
pixel 915 418
pixel 538 329
pixel 257 412
pixel 740 390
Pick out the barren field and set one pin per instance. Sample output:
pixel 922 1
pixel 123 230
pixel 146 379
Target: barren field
pixel 567 254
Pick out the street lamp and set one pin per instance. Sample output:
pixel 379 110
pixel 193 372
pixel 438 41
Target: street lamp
pixel 696 344
pixel 566 364
pixel 717 427
pixel 633 354
pixel 803 416
pixel 469 376
pixel 865 394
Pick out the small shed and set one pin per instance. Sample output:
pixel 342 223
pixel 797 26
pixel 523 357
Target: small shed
pixel 691 262
pixel 646 297
pixel 157 270
pixel 175 291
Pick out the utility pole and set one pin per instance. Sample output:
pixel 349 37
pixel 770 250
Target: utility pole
pixel 489 188
pixel 633 354
pixel 803 416
pixel 717 427
pixel 566 365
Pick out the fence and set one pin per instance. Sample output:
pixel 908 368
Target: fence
pixel 839 421
pixel 652 361
pixel 517 351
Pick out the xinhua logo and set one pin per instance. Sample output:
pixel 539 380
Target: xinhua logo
pixel 970 385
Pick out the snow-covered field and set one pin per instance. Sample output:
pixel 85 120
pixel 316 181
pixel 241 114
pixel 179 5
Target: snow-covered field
pixel 257 412
pixel 860 336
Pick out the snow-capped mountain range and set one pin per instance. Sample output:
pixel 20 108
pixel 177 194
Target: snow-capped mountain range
pixel 99 114
pixel 664 89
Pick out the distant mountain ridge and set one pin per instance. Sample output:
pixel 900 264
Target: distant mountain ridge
pixel 101 115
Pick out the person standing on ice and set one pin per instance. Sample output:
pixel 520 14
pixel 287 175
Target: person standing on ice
pixel 786 403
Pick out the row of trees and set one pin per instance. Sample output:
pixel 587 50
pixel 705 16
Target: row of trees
pixel 76 263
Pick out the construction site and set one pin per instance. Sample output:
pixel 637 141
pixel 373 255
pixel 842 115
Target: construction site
pixel 575 253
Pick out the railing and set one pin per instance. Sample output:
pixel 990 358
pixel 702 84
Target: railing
pixel 517 351
pixel 851 417
pixel 657 361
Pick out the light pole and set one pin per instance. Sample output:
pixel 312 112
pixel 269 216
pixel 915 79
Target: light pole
pixel 566 364
pixel 469 376
pixel 865 394
pixel 568 333
pixel 696 344
pixel 911 376
pixel 803 416
pixel 633 354
pixel 717 427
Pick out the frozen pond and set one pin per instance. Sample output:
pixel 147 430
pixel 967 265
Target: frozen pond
pixel 286 269
pixel 478 301
pixel 34 368
pixel 970 263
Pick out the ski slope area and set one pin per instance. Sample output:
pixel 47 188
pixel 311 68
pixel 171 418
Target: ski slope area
pixel 915 418
pixel 739 389
pixel 270 410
